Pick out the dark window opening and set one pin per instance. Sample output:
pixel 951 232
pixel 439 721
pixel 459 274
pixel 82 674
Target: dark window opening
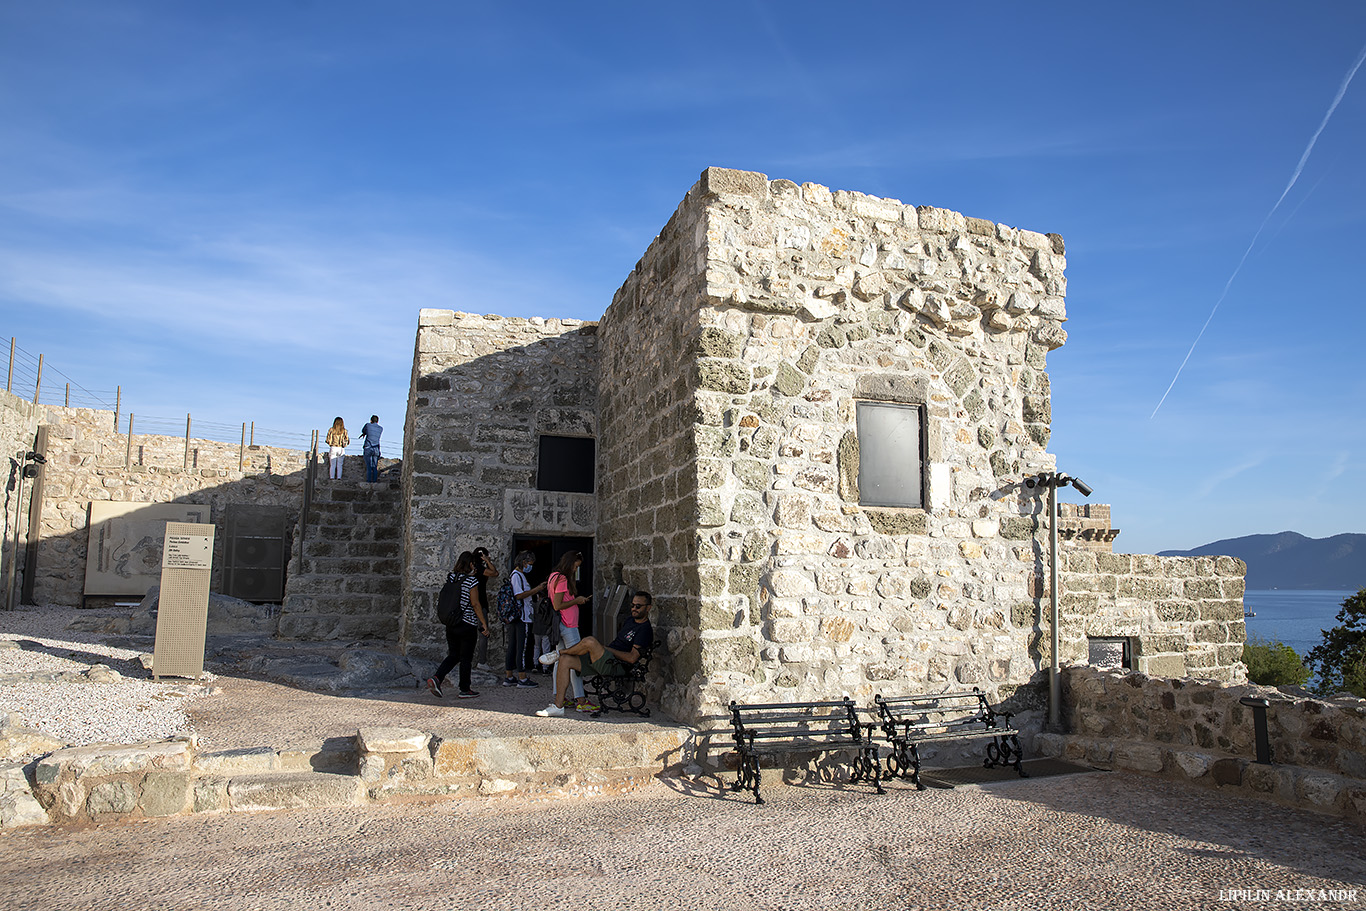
pixel 566 464
pixel 891 447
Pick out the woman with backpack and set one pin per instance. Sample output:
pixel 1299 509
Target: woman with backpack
pixel 463 625
pixel 565 598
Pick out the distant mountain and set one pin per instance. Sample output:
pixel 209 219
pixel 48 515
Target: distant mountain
pixel 1290 560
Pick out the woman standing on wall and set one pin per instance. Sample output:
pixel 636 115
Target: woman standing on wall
pixel 564 597
pixel 337 441
pixel 463 629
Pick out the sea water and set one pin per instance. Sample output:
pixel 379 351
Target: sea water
pixel 1292 616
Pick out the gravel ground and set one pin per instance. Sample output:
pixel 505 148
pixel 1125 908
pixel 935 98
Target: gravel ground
pixel 43 680
pixel 1093 841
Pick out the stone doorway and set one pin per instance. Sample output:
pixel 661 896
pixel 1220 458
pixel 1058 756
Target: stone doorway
pixel 548 550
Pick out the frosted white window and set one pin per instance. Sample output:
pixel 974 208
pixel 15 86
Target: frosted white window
pixel 891 458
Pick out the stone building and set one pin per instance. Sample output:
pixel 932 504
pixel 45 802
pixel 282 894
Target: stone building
pixel 802 423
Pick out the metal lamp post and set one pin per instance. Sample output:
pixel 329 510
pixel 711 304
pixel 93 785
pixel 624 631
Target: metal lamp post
pixel 1053 480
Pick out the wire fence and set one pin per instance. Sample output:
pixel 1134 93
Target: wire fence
pixel 32 379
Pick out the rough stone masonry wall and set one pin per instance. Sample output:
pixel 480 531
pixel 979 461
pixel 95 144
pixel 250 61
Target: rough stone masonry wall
pixel 1184 614
pixel 654 355
pixel 1198 731
pixel 85 462
pixel 484 388
pixel 813 301
pixel 18 423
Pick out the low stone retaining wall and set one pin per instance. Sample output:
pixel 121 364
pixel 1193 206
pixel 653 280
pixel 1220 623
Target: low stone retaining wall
pixel 171 778
pixel 1198 731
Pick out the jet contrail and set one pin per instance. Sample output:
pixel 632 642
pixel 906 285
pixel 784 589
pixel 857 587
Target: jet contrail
pixel 1342 90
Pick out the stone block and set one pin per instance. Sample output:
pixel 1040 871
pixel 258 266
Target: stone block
pixel 1202 589
pixel 99 760
pixel 1046 744
pixel 724 181
pixel 1322 791
pixel 112 798
pixel 165 793
pixel 292 790
pixel 210 795
pixel 1018 528
pixel 391 740
pixel 713 341
pixel 899 522
pixel 723 376
pixel 1165 666
pixel 1227 771
pixel 789 381
pixel 237 762
pixel 1193 765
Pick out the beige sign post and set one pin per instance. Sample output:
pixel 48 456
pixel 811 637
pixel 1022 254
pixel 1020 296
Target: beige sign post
pixel 183 607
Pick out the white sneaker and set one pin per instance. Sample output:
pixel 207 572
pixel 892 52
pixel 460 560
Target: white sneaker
pixel 550 658
pixel 551 711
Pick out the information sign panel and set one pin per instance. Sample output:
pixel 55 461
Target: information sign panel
pixel 183 608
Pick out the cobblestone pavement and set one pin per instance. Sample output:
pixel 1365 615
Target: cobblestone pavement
pixel 1092 841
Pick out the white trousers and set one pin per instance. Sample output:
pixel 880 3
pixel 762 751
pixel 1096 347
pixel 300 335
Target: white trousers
pixel 335 465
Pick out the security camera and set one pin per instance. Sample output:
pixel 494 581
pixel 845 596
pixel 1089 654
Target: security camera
pixel 1081 486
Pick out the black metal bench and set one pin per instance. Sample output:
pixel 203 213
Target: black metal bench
pixel 777 728
pixel 908 721
pixel 625 691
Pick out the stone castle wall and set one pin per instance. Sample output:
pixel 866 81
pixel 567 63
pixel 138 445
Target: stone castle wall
pixel 811 302
pixel 1184 614
pixel 85 462
pixel 722 385
pixel 654 512
pixel 483 389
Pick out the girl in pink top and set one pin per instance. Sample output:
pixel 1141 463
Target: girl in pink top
pixel 565 598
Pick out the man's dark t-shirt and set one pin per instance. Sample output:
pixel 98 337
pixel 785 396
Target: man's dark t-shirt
pixel 641 635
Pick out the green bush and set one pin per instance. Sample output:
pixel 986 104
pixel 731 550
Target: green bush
pixel 1340 660
pixel 1273 663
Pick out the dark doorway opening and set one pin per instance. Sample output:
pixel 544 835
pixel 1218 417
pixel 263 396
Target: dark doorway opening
pixel 548 551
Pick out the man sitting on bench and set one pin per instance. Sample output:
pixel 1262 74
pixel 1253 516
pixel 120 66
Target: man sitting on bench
pixel 589 657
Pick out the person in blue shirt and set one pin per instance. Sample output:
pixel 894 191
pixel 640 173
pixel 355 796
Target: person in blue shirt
pixel 370 434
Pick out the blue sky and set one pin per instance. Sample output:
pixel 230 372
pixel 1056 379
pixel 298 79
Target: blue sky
pixel 236 210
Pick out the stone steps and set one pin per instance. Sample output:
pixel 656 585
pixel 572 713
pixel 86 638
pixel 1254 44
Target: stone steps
pixel 344 576
pixel 104 782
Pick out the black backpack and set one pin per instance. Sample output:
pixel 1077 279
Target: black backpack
pixel 448 602
pixel 544 622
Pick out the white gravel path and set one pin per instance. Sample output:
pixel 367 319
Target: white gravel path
pixel 43 681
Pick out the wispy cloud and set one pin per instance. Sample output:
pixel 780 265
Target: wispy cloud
pixel 1295 176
